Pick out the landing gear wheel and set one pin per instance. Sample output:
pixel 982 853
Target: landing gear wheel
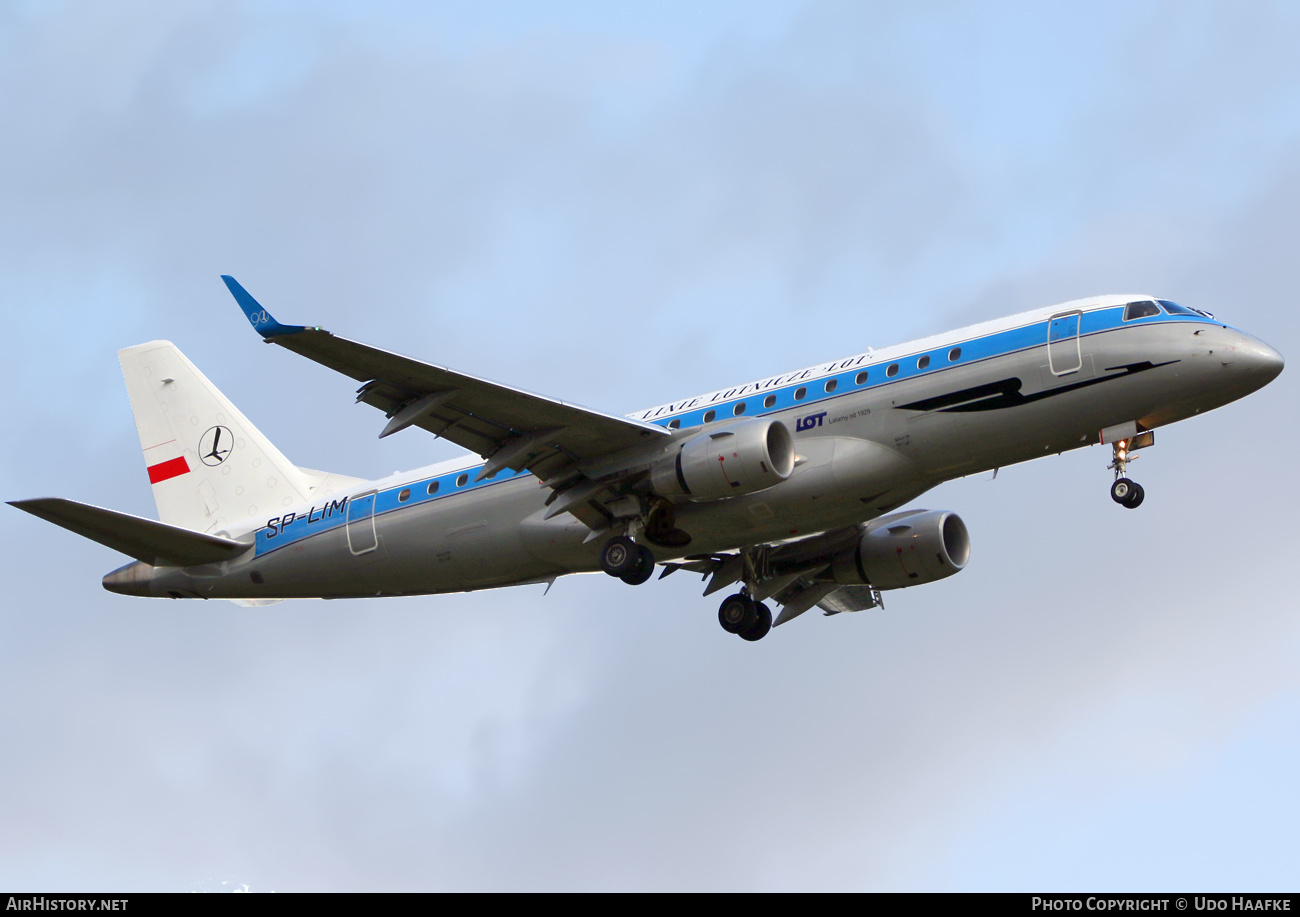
pixel 1122 491
pixel 644 570
pixel 1135 497
pixel 620 557
pixel 737 613
pixel 758 630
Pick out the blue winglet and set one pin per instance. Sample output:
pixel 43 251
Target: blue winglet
pixel 263 322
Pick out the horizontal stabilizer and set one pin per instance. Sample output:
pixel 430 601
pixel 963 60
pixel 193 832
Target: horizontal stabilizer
pixel 154 543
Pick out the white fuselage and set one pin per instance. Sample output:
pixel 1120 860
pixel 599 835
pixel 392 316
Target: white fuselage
pixel 872 432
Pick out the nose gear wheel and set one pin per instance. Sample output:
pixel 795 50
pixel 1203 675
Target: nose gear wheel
pixel 1125 492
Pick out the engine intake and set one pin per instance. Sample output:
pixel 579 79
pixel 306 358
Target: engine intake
pixel 727 461
pixel 906 549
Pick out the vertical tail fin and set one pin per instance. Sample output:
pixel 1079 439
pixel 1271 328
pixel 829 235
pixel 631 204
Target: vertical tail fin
pixel 209 466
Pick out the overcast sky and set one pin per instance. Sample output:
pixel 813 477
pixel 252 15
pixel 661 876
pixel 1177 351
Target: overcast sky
pixel 620 205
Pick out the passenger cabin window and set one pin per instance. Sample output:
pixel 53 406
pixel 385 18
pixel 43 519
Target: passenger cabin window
pixel 1140 310
pixel 460 481
pixel 404 495
pixel 739 408
pixel 432 488
pixel 831 384
pixel 709 415
pixel 799 393
pixel 1174 309
pixel 954 355
pixel 923 363
pixel 862 377
pixel 769 401
pixel 893 370
pixel 674 423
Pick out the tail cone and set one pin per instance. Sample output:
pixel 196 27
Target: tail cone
pixel 133 579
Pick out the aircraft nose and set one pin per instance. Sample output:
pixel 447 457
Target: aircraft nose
pixel 1261 361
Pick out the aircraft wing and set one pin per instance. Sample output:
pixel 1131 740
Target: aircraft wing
pixel 508 427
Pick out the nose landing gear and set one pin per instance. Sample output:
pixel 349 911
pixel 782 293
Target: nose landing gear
pixel 1126 493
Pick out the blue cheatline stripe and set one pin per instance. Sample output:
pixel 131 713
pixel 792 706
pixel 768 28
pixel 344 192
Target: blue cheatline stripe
pixel 998 344
pixel 333 513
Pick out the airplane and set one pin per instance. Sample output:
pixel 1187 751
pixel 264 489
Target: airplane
pixel 787 488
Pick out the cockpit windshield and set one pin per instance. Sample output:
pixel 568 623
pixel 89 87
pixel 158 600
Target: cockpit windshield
pixel 1174 309
pixel 1140 309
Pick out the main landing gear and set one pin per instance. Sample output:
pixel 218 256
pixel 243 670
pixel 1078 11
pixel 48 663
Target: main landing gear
pixel 1126 493
pixel 739 614
pixel 633 564
pixel 629 561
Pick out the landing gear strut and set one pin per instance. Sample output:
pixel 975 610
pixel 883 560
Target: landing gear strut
pixel 739 614
pixel 1126 493
pixel 629 561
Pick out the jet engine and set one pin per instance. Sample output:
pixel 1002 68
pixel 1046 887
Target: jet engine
pixel 905 549
pixel 727 461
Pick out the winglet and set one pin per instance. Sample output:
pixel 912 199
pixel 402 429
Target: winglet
pixel 262 321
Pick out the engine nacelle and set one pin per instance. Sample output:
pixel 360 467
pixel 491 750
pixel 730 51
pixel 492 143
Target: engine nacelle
pixel 905 549
pixel 727 461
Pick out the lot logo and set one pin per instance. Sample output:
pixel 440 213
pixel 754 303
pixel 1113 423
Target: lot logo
pixel 808 421
pixel 215 445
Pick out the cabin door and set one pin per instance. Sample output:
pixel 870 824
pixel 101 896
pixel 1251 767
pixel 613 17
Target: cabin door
pixel 361 524
pixel 1063 343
